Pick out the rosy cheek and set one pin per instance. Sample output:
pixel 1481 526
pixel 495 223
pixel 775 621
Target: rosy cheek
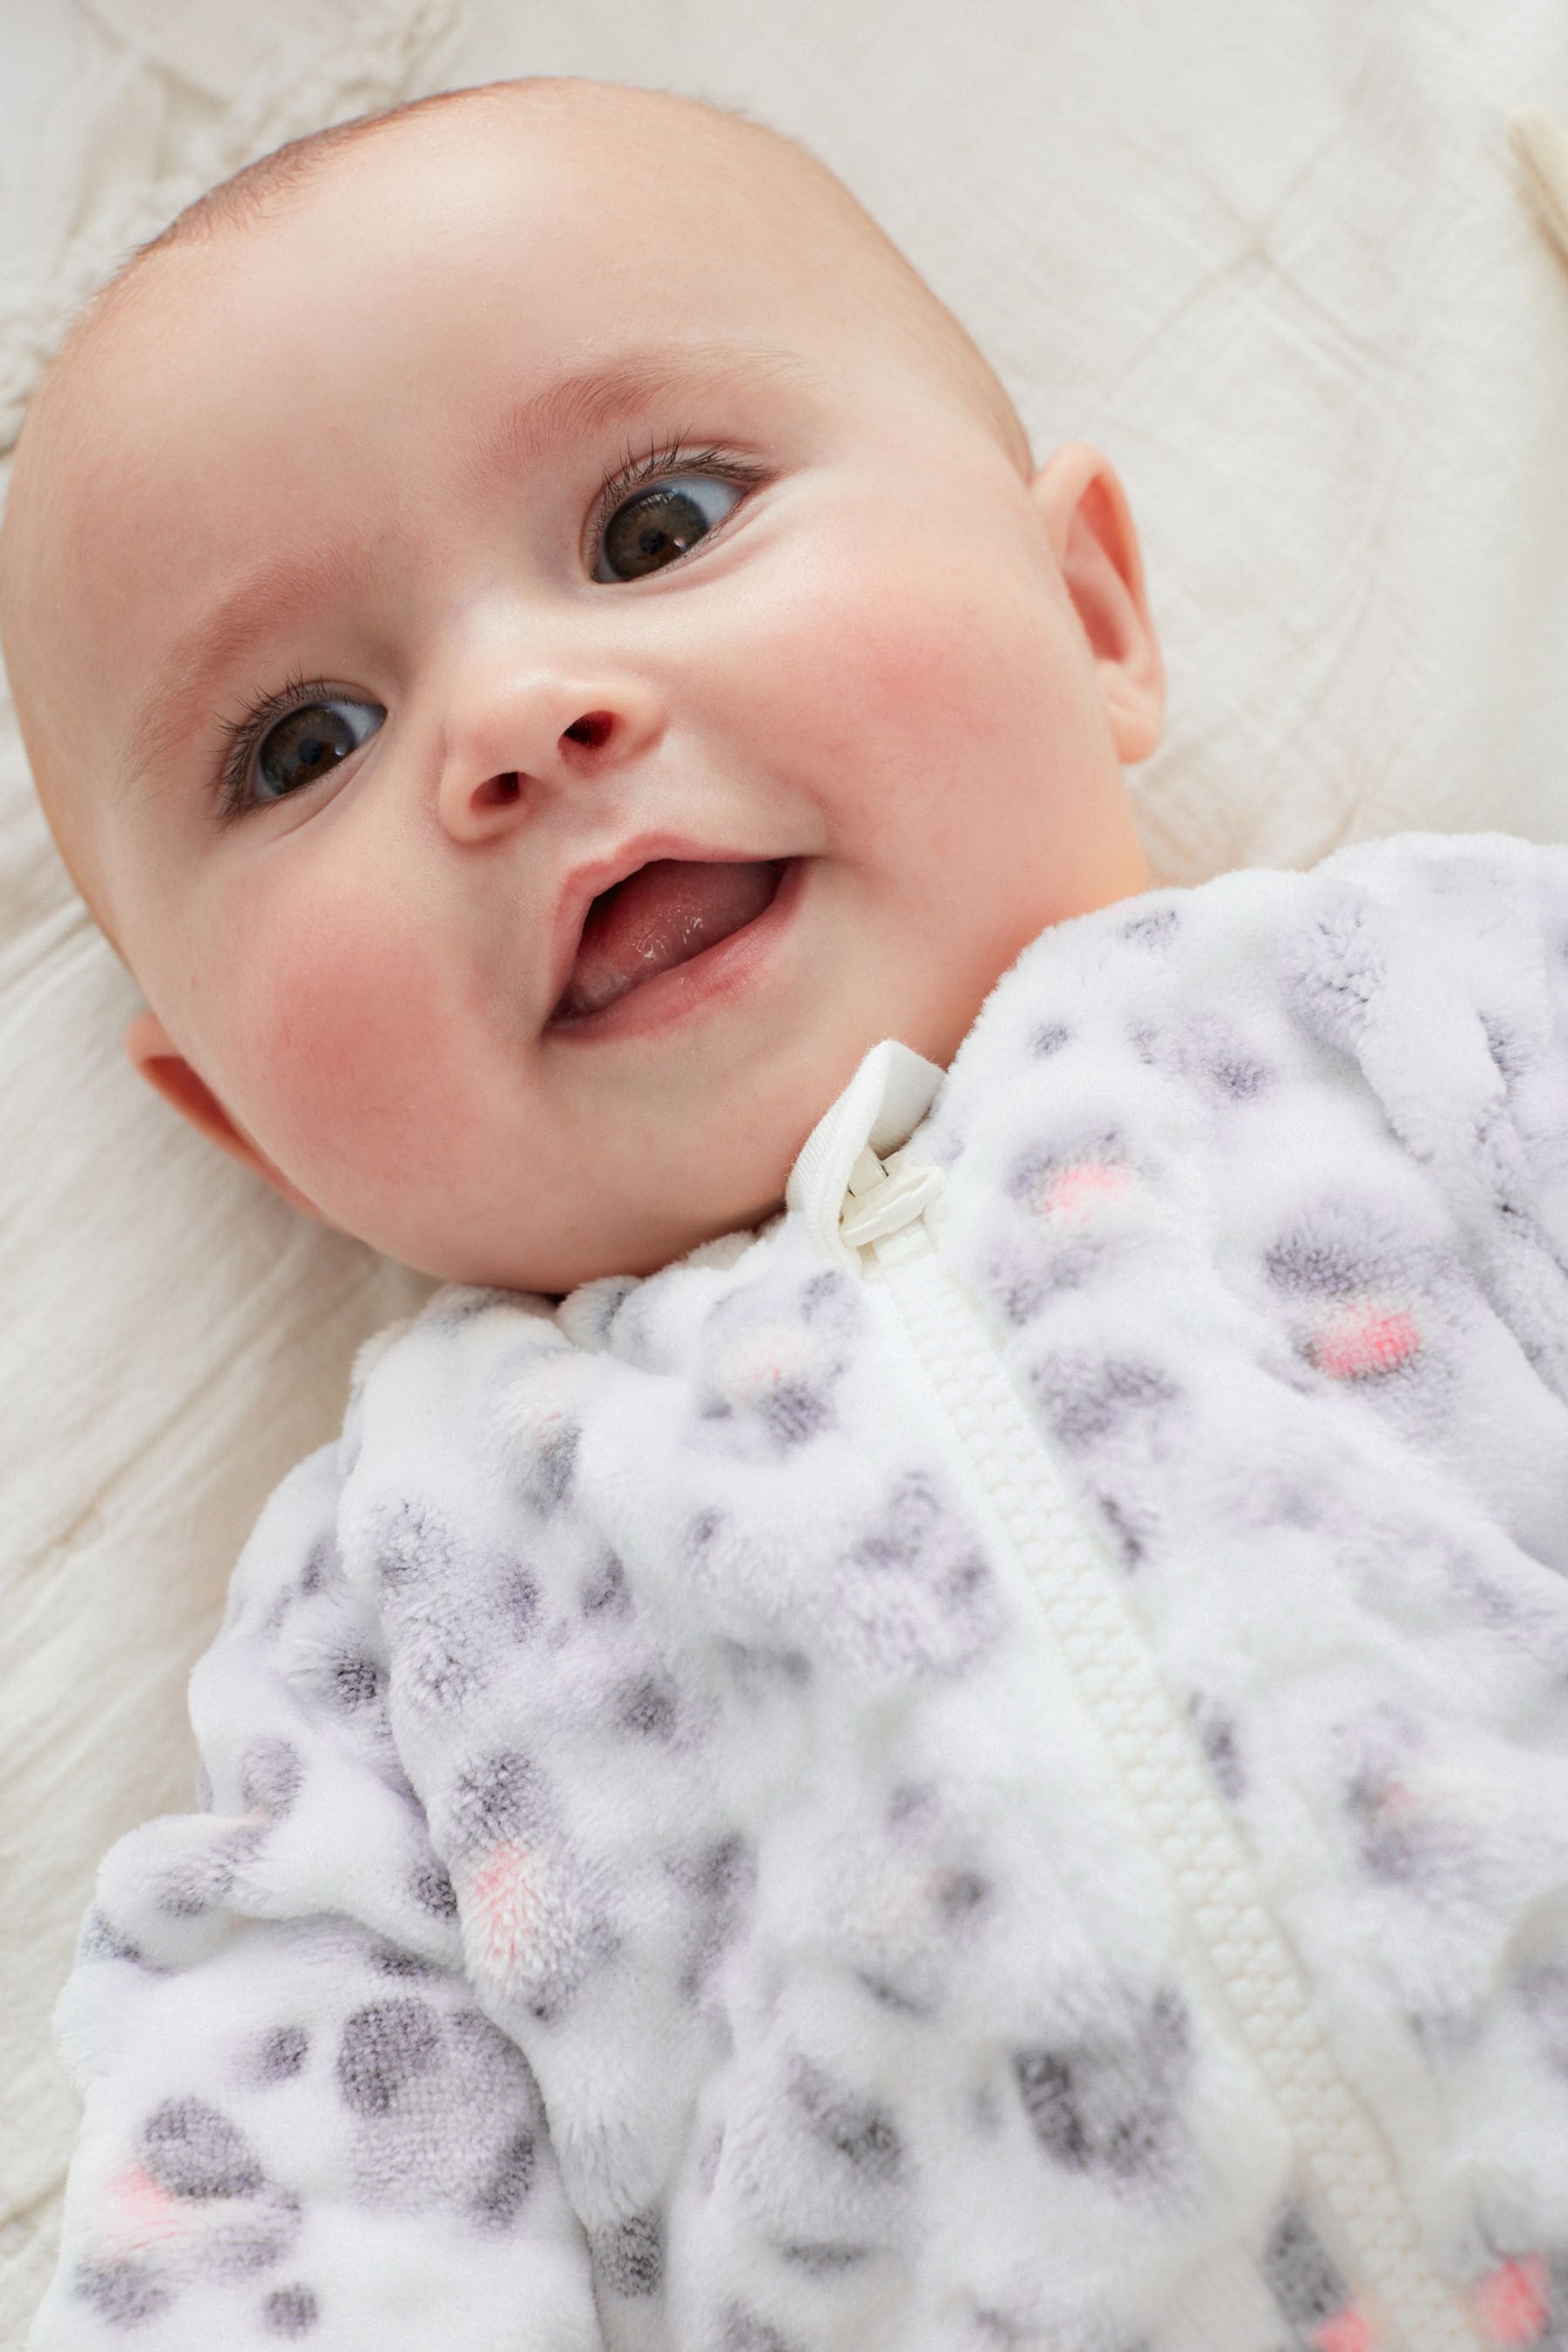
pixel 338 1035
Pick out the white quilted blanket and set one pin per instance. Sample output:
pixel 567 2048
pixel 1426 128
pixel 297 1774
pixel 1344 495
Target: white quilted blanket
pixel 1282 261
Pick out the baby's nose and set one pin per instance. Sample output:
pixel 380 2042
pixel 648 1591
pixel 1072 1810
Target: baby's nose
pixel 512 746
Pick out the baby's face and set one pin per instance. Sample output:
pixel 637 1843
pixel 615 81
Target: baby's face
pixel 547 667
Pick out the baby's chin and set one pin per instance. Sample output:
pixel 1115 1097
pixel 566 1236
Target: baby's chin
pixel 594 1252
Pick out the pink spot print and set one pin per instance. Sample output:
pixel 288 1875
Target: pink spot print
pixel 756 1362
pixel 1074 1193
pixel 503 1908
pixel 1514 2304
pixel 140 2214
pixel 1361 1337
pixel 1348 2331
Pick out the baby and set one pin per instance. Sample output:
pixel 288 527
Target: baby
pixel 928 1706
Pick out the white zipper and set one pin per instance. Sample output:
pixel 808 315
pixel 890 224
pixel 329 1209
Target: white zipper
pixel 1079 1594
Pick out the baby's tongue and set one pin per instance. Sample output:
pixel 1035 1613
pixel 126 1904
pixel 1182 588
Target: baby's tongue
pixel 662 915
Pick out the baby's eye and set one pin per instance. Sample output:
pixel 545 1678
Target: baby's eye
pixel 308 743
pixel 661 523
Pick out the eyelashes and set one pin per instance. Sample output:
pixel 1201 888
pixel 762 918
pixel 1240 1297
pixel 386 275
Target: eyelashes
pixel 677 457
pixel 244 734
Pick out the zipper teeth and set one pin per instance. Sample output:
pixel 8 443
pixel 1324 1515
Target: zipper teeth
pixel 1092 1623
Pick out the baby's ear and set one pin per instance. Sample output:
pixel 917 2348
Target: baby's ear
pixel 149 1050
pixel 1089 525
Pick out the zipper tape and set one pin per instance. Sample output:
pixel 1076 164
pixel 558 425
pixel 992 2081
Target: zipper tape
pixel 1092 1623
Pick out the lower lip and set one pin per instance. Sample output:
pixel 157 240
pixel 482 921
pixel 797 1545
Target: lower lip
pixel 701 984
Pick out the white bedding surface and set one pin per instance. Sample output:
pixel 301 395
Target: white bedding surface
pixel 1276 259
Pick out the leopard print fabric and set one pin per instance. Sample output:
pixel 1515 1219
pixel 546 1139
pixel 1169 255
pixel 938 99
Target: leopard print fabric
pixel 656 1885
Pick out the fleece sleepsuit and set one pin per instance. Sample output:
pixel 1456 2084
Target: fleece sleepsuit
pixel 985 1767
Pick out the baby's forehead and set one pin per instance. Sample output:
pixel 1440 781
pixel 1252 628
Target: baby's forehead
pixel 514 157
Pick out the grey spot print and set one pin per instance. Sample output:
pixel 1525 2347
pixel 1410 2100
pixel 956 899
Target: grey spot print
pixel 283 2053
pixel 289 2311
pixel 1109 2105
pixel 717 1883
pixel 1503 1047
pixel 269 1777
pixel 383 2049
pixel 647 1707
pixel 757 1669
pixel 495 1798
pixel 1239 1075
pixel 191 2150
pixel 438 1660
pixel 320 1563
pixel 770 1362
pixel 1206 1050
pixel 433 1890
pixel 505 2192
pixel 205 1877
pixel 744 2332
pixel 253 2237
pixel 628 2256
pixel 123 2294
pixel 1313 1261
pixel 1049 1039
pixel 552 1465
pixel 794 1411
pixel 1305 2283
pixel 606 1593
pixel 912 1803
pixel 912 1515
pixel 891 1996
pixel 1144 1036
pixel 1157 930
pixel 518 1593
pixel 355 1683
pixel 1216 1733
pixel 860 2130
pixel 101 1940
pixel 961 1896
pixel 825 2260
pixel 494 2060
pixel 1395 1847
pixel 1025 1282
pixel 1332 970
pixel 592 1312
pixel 925 1565
pixel 1131 1544
pixel 1087 1400
pixel 413 1545
pixel 392 1961
pixel 468 1304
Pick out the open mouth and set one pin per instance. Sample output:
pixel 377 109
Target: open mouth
pixel 669 911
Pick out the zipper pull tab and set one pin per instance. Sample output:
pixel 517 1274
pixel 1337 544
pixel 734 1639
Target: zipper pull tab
pixel 882 1197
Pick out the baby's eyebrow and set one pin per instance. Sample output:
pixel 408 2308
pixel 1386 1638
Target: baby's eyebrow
pixel 589 399
pixel 582 401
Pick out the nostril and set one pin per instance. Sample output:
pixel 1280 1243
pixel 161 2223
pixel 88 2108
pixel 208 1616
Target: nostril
pixel 591 729
pixel 496 790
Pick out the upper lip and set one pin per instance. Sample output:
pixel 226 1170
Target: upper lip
pixel 585 883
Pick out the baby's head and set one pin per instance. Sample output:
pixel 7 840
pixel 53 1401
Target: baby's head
pixel 541 641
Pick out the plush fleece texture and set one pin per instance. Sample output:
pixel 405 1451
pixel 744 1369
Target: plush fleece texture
pixel 662 1881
